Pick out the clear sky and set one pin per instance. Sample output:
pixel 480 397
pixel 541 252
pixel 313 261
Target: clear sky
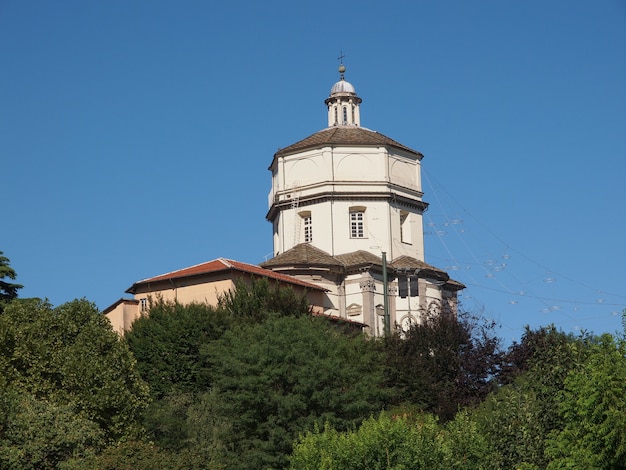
pixel 135 138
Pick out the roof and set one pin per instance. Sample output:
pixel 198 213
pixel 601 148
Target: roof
pixel 303 254
pixel 426 270
pixel 342 87
pixel 111 307
pixel 359 258
pixel 223 265
pixel 344 135
pixel 307 255
pixel 408 262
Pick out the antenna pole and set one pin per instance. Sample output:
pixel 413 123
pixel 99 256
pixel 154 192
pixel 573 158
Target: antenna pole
pixel 385 296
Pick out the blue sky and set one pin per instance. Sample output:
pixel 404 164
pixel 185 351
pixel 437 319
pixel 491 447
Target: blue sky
pixel 135 138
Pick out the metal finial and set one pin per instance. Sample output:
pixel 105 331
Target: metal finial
pixel 342 68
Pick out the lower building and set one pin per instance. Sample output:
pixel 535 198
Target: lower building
pixel 202 283
pixel 354 286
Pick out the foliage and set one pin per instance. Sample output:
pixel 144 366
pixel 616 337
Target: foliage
pixel 510 422
pixel 536 347
pixel 379 443
pixel 167 342
pixel 70 358
pixel 37 434
pixel 189 425
pixel 464 445
pixel 129 455
pixel 165 421
pixel 518 419
pixel 404 441
pixel 209 431
pixel 254 301
pixel 443 363
pixel 593 405
pixel 277 379
pixel 8 290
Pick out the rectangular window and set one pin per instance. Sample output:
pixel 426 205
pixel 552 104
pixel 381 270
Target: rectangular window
pixel 143 305
pixel 357 229
pixel 405 227
pixel 308 229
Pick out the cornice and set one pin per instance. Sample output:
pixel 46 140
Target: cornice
pixel 326 196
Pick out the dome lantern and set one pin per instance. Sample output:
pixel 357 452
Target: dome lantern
pixel 343 103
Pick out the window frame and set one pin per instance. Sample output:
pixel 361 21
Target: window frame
pixel 357 222
pixel 405 227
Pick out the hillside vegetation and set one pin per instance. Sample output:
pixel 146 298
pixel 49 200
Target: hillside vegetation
pixel 257 382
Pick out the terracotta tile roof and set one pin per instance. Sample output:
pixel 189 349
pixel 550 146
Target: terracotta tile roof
pixel 303 254
pixel 222 264
pixel 343 135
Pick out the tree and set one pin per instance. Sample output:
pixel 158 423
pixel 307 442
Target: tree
pixel 378 444
pixel 70 357
pixel 129 455
pixel 37 434
pixel 593 407
pixel 394 441
pixel 518 420
pixel 167 342
pixel 8 290
pixel 443 363
pixel 254 301
pixel 276 379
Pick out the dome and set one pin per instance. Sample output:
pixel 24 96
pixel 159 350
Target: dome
pixel 342 87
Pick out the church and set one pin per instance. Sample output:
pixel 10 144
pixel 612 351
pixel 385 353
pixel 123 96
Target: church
pixel 346 210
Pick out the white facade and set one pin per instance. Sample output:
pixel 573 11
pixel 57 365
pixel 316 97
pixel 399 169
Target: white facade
pixel 329 184
pixel 351 194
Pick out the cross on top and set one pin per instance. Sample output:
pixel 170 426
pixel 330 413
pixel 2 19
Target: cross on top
pixel 341 56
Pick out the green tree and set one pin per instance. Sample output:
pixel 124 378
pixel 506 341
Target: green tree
pixel 398 441
pixel 255 300
pixel 8 290
pixel 379 443
pixel 37 434
pixel 518 420
pixel 444 363
pixel 130 455
pixel 593 405
pixel 277 379
pixel 167 342
pixel 70 357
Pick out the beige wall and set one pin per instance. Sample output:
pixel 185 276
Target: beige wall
pixel 203 289
pixel 123 314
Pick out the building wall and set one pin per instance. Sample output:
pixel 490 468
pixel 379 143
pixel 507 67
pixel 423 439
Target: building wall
pixel 359 298
pixel 205 289
pixel 201 290
pixel 326 183
pixel 123 314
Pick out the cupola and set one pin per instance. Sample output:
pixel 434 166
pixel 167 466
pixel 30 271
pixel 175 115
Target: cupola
pixel 343 103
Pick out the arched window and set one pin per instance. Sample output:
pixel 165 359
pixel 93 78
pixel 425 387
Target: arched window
pixel 345 115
